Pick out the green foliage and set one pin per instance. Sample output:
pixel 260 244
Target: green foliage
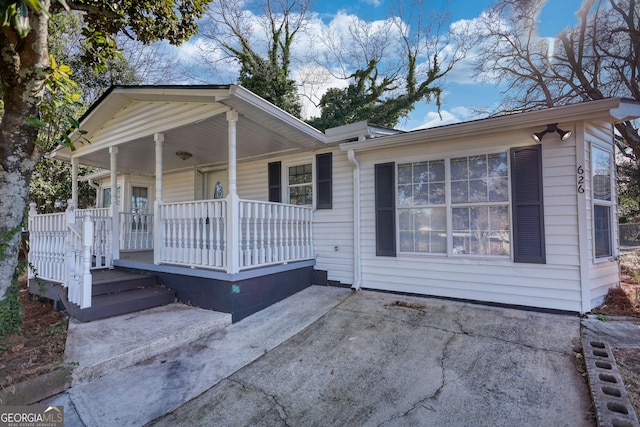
pixel 16 14
pixel 57 114
pixel 10 307
pixel 66 45
pixel 271 82
pixel 6 237
pixel 148 20
pixel 51 182
pixel 628 175
pixel 264 69
pixel 371 98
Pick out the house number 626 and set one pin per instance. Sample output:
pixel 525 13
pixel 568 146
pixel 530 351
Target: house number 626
pixel 580 179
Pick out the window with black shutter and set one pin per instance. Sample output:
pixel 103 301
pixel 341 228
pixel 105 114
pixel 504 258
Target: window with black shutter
pixel 324 185
pixel 275 182
pixel 385 209
pixel 527 205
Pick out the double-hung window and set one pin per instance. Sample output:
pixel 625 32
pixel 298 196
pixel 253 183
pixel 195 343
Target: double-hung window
pixel 601 161
pixel 300 184
pixel 139 208
pixel 456 206
pixel 422 207
pixel 106 196
pixel 480 205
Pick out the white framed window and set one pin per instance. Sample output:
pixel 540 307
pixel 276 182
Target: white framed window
pixel 455 206
pixel 422 218
pixel 106 196
pixel 300 184
pixel 601 183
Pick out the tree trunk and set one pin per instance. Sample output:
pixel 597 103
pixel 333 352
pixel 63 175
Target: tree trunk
pixel 24 66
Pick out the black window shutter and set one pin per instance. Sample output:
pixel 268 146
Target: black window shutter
pixel 528 205
pixel 385 209
pixel 324 184
pixel 275 182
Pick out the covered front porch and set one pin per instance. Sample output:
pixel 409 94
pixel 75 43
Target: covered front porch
pixel 192 243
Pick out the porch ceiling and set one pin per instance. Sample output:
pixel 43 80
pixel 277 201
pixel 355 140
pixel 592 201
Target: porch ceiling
pixel 192 119
pixel 207 141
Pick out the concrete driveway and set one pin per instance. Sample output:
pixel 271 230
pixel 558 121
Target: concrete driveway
pixel 377 359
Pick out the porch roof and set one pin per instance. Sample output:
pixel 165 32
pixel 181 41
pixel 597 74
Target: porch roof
pixel 192 120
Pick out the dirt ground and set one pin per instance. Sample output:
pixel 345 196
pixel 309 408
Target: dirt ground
pixel 38 347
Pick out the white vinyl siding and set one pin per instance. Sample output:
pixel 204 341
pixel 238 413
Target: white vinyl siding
pixel 555 284
pixel 179 186
pixel 332 228
pixel 560 203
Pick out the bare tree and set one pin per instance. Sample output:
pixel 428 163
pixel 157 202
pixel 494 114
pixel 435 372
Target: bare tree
pixel 390 65
pixel 596 59
pixel 258 37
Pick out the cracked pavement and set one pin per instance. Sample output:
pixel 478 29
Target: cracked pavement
pixel 378 359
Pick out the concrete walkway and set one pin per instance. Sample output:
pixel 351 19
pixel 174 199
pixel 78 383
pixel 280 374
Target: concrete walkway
pixel 329 356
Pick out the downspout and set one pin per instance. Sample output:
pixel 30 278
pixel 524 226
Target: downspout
pixel 74 180
pixel 95 186
pixel 357 253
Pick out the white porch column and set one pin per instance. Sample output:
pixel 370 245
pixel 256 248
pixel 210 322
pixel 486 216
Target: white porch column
pixel 157 228
pixel 233 201
pixel 232 119
pixel 115 204
pixel 74 180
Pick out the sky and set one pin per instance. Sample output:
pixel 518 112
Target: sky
pixel 463 95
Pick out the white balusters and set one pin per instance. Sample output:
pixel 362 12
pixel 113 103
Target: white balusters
pixel 194 233
pixel 136 231
pixel 191 234
pixel 47 244
pixel 272 233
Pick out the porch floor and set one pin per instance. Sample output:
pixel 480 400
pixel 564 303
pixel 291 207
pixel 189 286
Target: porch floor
pixel 143 261
pixel 142 257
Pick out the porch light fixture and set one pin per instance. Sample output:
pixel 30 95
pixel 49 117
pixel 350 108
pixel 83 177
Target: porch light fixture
pixel 564 134
pixel 184 155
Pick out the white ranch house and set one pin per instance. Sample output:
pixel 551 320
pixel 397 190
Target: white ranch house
pixel 234 204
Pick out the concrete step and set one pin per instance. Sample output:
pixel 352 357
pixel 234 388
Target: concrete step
pixel 110 345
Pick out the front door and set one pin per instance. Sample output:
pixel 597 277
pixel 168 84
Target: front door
pixel 216 184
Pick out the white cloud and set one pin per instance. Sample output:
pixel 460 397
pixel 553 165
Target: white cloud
pixel 314 81
pixel 446 117
pixel 324 52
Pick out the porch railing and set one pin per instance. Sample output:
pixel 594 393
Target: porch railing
pixel 192 234
pixel 60 250
pixel 195 234
pixel 272 233
pixel 102 255
pixel 47 234
pixel 136 231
